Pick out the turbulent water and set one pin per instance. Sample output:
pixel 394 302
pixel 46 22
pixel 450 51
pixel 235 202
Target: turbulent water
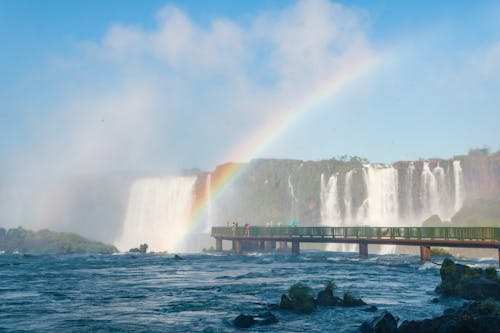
pixel 204 293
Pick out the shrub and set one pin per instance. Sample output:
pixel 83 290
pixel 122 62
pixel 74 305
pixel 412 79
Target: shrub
pixel 491 273
pixel 349 298
pixel 488 306
pixel 300 291
pixel 330 285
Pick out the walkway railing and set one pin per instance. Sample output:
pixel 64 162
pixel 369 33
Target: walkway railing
pixel 446 233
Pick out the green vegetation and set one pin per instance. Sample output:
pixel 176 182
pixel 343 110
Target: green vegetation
pixel 489 307
pixel 211 249
pixel 478 213
pixel 300 291
pixel 330 285
pixel 49 242
pixel 434 221
pixel 143 248
pixel 299 299
pixel 439 251
pixel 463 281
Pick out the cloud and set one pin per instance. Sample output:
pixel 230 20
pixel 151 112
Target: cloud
pixel 181 94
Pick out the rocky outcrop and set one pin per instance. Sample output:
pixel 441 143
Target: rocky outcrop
pixel 480 317
pixel 476 317
pixel 246 321
pixel 469 283
pixel 384 323
pixel 299 299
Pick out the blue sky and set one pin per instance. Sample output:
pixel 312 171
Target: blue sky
pixel 104 86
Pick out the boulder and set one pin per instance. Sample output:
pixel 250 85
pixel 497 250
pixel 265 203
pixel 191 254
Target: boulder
pixel 480 317
pixel 266 318
pixel 349 300
pixel 299 299
pixel 384 323
pixel 244 321
pixel 467 282
pixel 326 298
pixel 371 308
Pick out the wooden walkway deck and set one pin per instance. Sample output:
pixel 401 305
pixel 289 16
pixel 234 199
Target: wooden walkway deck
pixel 425 237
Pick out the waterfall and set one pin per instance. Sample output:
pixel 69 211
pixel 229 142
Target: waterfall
pixel 208 196
pixel 158 213
pixel 382 204
pixel 348 196
pixel 444 210
pixel 292 195
pixel 330 210
pixel 458 180
pixel 429 195
pixel 410 174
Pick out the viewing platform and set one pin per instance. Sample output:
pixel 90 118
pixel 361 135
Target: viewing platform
pixel 260 237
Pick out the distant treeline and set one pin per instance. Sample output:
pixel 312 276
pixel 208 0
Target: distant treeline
pixel 49 242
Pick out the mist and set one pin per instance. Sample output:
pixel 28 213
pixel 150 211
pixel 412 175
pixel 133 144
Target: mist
pixel 178 94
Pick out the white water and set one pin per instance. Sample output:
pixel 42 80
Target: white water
pixel 409 191
pixel 348 196
pixel 429 197
pixel 458 180
pixel 158 214
pixel 330 209
pixel 381 207
pixel 208 194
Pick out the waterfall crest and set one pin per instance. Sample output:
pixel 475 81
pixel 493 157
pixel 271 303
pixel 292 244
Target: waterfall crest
pixel 158 213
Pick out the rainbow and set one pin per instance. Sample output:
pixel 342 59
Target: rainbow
pixel 254 144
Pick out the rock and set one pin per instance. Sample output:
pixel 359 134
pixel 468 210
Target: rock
pixel 466 282
pixel 384 323
pixel 299 299
pixel 435 300
pixel 244 321
pixel 266 318
pixel 372 308
pixel 480 317
pixel 299 305
pixel 481 288
pixel 143 248
pixel 326 298
pixel 178 257
pixel 349 300
pixel 286 303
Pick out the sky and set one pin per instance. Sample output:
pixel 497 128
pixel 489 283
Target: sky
pixel 96 87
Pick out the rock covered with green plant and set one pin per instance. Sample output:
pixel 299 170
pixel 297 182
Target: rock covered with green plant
pixel 49 242
pixel 467 282
pixel 300 298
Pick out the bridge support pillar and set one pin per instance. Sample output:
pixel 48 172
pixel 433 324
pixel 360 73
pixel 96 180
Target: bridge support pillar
pixel 237 246
pixel 363 250
pixel 295 248
pixel 425 253
pixel 283 245
pixel 499 258
pixel 218 244
pixel 270 245
pixel 262 245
